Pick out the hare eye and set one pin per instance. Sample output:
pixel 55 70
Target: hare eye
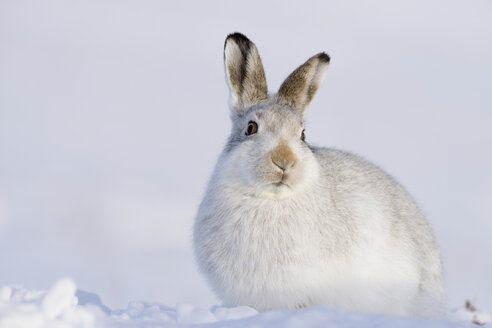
pixel 252 128
pixel 303 136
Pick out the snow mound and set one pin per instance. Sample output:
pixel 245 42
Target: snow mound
pixel 63 306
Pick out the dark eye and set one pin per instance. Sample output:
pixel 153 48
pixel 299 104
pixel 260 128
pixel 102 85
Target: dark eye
pixel 252 128
pixel 303 136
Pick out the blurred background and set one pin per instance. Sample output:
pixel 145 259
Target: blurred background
pixel 113 113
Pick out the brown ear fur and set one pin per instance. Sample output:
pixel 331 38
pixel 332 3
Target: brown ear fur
pixel 299 88
pixel 244 71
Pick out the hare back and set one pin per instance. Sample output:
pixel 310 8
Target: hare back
pixel 371 197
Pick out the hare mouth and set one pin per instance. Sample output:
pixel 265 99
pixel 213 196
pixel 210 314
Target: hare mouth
pixel 278 189
pixel 280 184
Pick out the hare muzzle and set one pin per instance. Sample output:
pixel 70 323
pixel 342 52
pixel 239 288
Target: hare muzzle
pixel 283 157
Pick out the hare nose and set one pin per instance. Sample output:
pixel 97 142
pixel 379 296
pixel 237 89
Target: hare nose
pixel 283 157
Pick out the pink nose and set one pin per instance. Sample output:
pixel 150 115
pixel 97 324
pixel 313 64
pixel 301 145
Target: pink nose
pixel 283 157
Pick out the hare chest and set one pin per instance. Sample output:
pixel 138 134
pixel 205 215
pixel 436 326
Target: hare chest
pixel 270 257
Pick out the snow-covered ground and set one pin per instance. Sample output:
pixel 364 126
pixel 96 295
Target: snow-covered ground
pixel 65 306
pixel 113 113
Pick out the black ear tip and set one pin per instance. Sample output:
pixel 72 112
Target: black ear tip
pixel 324 57
pixel 240 39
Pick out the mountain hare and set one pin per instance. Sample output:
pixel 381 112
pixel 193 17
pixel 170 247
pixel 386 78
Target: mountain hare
pixel 285 225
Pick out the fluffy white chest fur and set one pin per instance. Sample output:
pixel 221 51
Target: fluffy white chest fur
pixel 285 225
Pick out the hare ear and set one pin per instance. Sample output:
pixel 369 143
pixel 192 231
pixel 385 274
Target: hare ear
pixel 299 88
pixel 244 71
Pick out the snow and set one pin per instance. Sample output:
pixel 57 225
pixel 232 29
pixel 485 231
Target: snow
pixel 63 306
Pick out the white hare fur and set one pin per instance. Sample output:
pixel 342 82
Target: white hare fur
pixel 287 225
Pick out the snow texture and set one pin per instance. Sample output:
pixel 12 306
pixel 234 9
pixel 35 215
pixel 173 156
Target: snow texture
pixel 65 306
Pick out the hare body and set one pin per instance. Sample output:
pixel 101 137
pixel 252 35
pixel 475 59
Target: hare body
pixel 285 225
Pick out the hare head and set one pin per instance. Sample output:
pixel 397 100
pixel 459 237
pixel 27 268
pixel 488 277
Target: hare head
pixel 266 154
